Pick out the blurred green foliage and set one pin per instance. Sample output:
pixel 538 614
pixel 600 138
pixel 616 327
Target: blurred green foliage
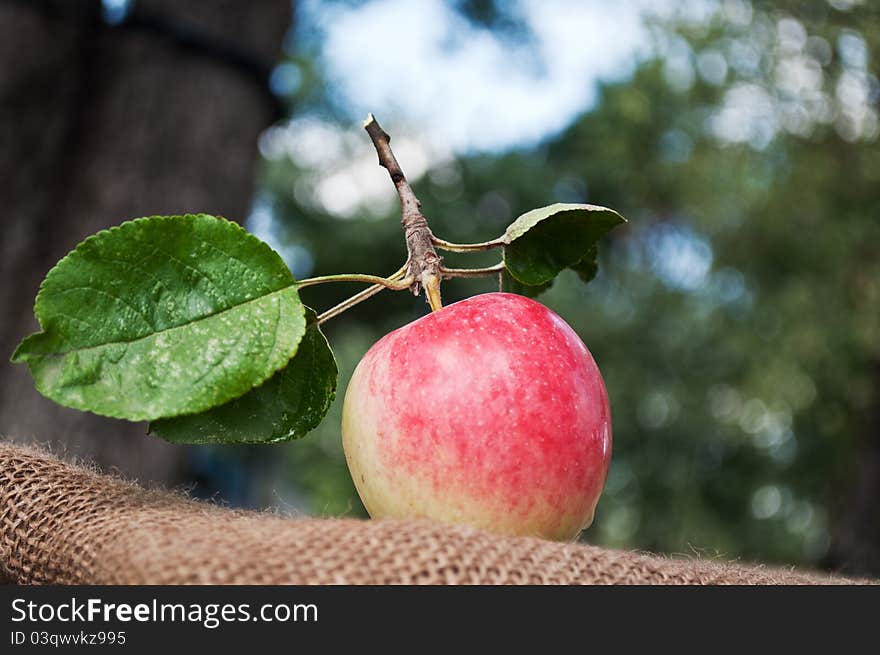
pixel 735 318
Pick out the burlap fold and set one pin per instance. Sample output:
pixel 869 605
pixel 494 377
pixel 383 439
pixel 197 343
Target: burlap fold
pixel 66 524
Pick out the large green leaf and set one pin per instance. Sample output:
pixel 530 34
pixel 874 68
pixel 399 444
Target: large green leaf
pixel 542 242
pixel 288 405
pixel 163 316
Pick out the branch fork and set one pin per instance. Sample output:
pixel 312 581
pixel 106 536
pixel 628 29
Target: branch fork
pixel 425 266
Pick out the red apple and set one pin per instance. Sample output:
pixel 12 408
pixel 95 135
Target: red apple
pixel 489 412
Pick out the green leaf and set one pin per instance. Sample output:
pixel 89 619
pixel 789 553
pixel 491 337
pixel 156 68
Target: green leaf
pixel 287 406
pixel 511 285
pixel 587 267
pixel 163 316
pixel 542 242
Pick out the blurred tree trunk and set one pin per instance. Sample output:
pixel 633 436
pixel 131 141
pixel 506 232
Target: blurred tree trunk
pixel 855 544
pixel 99 124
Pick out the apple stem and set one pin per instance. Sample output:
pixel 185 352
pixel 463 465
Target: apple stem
pixel 424 264
pixel 432 291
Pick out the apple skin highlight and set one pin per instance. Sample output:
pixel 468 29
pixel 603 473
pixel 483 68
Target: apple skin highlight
pixel 490 412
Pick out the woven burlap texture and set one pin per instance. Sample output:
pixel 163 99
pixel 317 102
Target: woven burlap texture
pixel 67 524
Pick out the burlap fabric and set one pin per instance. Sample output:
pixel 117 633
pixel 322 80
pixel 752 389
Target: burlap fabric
pixel 67 524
